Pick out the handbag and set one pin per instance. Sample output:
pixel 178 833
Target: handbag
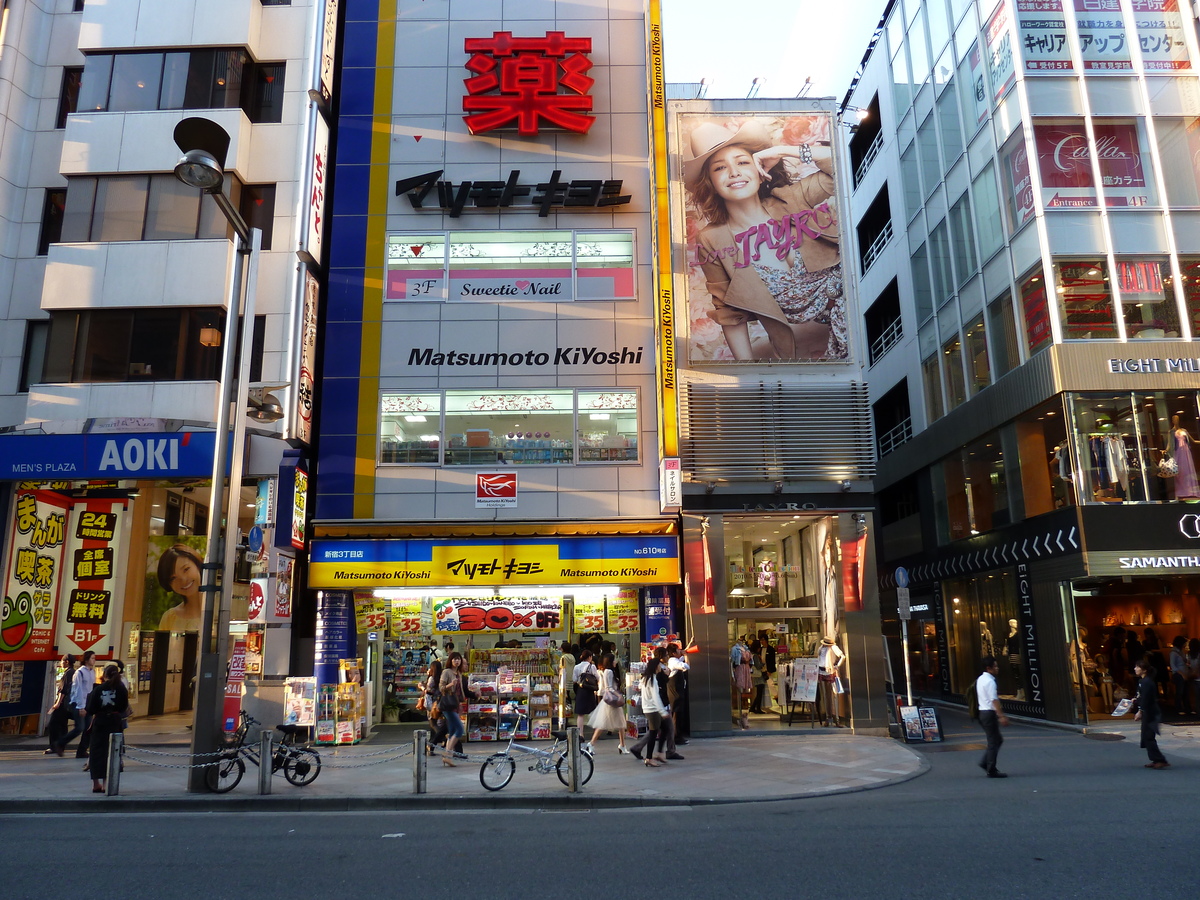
pixel 1168 467
pixel 612 698
pixel 421 703
pixel 588 681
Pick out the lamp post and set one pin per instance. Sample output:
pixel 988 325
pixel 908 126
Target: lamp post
pixel 205 144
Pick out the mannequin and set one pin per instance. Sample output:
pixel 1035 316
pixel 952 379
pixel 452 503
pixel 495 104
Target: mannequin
pixel 1186 486
pixel 1105 681
pixel 1012 649
pixel 987 643
pixel 829 659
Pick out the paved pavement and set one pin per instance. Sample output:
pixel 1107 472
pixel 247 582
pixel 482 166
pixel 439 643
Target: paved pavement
pixel 374 775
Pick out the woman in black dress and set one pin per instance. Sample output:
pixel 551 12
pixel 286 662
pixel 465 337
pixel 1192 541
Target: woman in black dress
pixel 1147 711
pixel 106 705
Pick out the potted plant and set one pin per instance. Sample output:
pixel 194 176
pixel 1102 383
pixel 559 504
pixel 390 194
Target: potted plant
pixel 391 709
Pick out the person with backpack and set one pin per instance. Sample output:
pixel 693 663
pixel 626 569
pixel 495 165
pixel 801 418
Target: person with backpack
pixel 991 715
pixel 587 682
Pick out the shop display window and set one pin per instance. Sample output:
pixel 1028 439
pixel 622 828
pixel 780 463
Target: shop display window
pixel 1190 269
pixel 510 266
pixel 982 620
pixel 779 562
pixel 932 380
pixel 956 385
pixel 1085 305
pixel 1119 443
pixel 557 426
pixel 1147 301
pixel 974 497
pixel 1038 333
pixel 1044 457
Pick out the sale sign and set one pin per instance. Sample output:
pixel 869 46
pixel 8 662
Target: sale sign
pixel 94 538
pixel 474 615
pixel 589 615
pixel 623 617
pixel 231 711
pixel 370 612
pixel 406 616
pixel 33 575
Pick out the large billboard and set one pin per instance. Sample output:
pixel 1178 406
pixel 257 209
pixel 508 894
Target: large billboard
pixel 760 225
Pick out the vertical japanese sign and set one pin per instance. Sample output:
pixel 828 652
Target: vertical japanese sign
pixel 589 615
pixel 233 685
pixel 660 616
pixel 979 94
pixel 623 616
pixel 1103 45
pixel 328 45
pixel 1160 35
pixel 310 250
pixel 33 575
pixel 302 423
pixel 1001 67
pixel 1042 26
pixel 93 554
pixel 1020 182
pixel 283 589
pixel 299 508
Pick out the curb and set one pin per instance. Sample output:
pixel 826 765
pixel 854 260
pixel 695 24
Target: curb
pixel 193 803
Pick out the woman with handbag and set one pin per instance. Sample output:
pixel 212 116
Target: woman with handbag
pixel 587 682
pixel 610 714
pixel 429 705
pixel 449 702
pixel 653 707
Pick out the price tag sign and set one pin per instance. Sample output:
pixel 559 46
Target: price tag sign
pixel 406 616
pixel 589 616
pixel 623 615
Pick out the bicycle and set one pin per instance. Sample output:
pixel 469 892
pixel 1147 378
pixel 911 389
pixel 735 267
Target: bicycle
pixel 498 769
pixel 301 764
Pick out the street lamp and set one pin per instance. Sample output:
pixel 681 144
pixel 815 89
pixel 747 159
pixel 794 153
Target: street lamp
pixel 205 144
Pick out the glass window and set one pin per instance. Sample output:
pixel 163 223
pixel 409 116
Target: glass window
pixel 52 219
pixel 1190 269
pixel 952 362
pixel 1002 330
pixel 931 166
pixel 963 238
pixel 979 611
pixel 1125 169
pixel 1038 333
pixel 1160 29
pixel 987 212
pixel 1044 459
pixel 901 83
pixel 939 25
pixel 173 209
pixel 1103 43
pixel 1014 157
pixel 136 80
pixel 68 98
pixel 1179 150
pixel 932 380
pixel 510 427
pixel 257 206
pixel 973 88
pixel 918 48
pixel 120 208
pixel 1064 163
pixel 410 428
pixel 975 489
pixel 947 111
pixel 939 257
pixel 34 359
pixel 1147 301
pixel 93 89
pixel 1085 306
pixel 263 87
pixel 922 289
pixel 174 81
pixel 608 426
pixel 978 370
pixel 911 177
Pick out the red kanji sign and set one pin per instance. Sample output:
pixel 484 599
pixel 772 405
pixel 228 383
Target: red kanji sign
pixel 517 80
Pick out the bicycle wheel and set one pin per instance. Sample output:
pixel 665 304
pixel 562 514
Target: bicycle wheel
pixel 302 766
pixel 224 775
pixel 497 771
pixel 585 768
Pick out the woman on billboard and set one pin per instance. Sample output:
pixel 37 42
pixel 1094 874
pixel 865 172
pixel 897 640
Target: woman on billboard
pixel 769 246
pixel 179 573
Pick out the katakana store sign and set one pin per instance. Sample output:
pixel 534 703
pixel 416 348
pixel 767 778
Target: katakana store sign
pixel 1102 41
pixel 546 196
pixel 528 83
pixel 1043 28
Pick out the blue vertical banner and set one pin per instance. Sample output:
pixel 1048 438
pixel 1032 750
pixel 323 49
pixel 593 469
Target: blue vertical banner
pixel 660 615
pixel 334 634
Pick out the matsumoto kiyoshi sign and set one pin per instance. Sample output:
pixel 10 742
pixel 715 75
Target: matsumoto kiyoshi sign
pixel 495 561
pixel 76 456
pixel 562 356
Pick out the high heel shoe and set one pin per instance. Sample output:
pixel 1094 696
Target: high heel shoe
pixel 446 762
pixel 651 764
pixel 622 750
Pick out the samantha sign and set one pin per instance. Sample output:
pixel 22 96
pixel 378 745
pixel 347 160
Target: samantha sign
pixel 486 561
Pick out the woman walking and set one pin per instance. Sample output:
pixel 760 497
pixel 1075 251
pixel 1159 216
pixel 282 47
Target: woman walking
pixel 1146 710
pixel 433 693
pixel 60 712
pixel 587 681
pixel 106 704
pixel 609 715
pixel 454 693
pixel 653 707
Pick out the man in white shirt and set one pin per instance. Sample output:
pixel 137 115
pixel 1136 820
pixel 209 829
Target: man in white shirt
pixel 81 686
pixel 991 715
pixel 677 669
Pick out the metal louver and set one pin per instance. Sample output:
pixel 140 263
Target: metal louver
pixel 775 430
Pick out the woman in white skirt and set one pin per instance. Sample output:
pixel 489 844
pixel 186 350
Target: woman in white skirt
pixel 609 716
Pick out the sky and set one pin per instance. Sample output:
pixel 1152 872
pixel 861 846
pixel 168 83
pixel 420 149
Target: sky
pixel 732 42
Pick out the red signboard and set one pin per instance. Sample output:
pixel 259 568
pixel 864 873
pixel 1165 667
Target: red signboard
pixel 528 81
pixel 1066 167
pixel 495 488
pixel 231 712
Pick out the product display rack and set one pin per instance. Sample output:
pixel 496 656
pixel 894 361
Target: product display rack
pixel 404 667
pixel 510 683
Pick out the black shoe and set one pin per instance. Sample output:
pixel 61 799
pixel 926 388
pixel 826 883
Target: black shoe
pixel 675 756
pixel 637 755
pixel 983 766
pixel 683 742
pixel 996 773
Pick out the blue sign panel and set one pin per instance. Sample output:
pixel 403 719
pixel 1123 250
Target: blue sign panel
pixel 70 457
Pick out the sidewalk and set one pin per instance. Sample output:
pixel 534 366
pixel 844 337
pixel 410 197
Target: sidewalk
pixel 716 770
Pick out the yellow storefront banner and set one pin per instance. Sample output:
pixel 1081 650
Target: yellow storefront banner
pixel 641 559
pixel 623 615
pixel 589 615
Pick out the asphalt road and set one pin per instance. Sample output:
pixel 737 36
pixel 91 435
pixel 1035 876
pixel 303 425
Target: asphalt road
pixel 1076 818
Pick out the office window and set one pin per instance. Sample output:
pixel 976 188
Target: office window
pixel 34 358
pixel 979 373
pixel 1147 301
pixel 1178 146
pixel 257 206
pixel 931 379
pixel 1002 330
pixel 927 146
pixel 68 96
pixel 911 177
pixel 52 219
pixel 939 257
pixel 987 212
pixel 922 288
pixel 962 238
pixel 947 112
pixel 956 386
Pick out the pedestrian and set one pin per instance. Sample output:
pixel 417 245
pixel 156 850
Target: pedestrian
pixel 991 715
pixel 653 707
pixel 1179 677
pixel 433 693
pixel 450 702
pixel 587 682
pixel 566 666
pixel 666 732
pixel 609 714
pixel 1146 710
pixel 60 713
pixel 106 705
pixel 758 676
pixel 677 692
pixel 82 683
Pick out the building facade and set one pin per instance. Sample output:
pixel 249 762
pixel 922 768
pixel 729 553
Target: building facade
pixel 1024 198
pixel 116 280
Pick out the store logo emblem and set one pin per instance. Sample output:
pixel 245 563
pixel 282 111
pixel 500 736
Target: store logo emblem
pixel 1189 526
pixel 495 489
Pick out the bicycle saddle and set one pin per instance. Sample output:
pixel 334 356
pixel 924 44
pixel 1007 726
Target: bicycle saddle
pixel 292 729
pixel 559 735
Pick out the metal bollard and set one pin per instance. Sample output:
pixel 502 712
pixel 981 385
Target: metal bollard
pixel 265 763
pixel 573 760
pixel 420 742
pixel 112 779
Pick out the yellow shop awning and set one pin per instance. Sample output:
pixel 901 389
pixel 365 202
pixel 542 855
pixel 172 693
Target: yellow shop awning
pixel 356 528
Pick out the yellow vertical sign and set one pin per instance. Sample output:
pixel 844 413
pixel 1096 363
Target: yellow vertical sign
pixel 667 383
